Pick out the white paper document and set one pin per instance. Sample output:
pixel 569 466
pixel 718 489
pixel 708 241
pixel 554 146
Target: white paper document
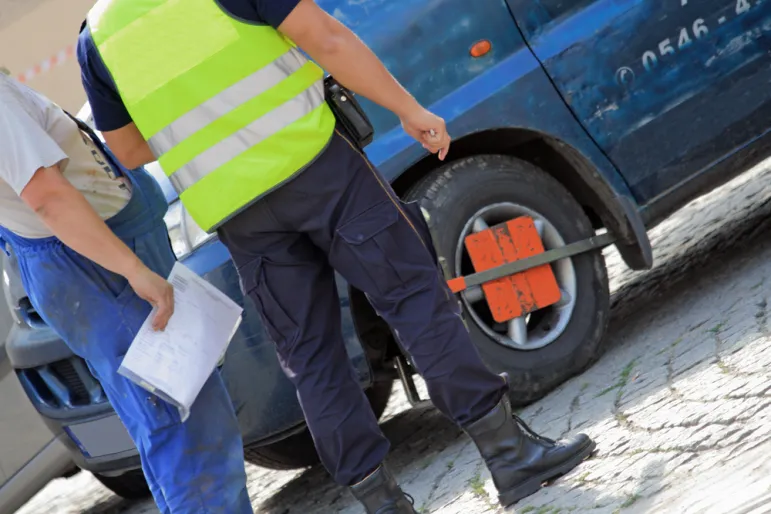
pixel 176 363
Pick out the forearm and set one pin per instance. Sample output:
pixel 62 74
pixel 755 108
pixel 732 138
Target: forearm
pixel 72 219
pixel 128 145
pixel 367 77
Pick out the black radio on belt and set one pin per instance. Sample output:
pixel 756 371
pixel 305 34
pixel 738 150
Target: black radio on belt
pixel 348 112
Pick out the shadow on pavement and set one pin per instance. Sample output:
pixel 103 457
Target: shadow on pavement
pixel 601 502
pixel 416 436
pixel 114 505
pixel 713 247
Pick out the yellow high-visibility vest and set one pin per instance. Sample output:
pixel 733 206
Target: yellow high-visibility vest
pixel 231 110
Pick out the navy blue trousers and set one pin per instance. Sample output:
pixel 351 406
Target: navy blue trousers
pixel 191 467
pixel 341 214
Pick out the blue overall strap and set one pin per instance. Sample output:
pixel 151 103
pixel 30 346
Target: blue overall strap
pixel 98 142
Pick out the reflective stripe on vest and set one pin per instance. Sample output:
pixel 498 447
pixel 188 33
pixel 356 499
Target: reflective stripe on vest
pixel 257 131
pixel 237 94
pixel 230 116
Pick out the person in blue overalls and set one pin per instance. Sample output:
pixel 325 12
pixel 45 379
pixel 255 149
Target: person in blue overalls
pixel 216 91
pixel 93 252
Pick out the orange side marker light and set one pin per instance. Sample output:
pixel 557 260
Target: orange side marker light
pixel 481 48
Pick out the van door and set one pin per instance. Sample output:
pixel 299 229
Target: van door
pixel 667 88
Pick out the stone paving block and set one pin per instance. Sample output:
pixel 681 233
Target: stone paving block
pixel 611 445
pixel 665 416
pixel 698 357
pixel 742 432
pixel 736 338
pixel 728 411
pixel 642 386
pixel 758 386
pixel 447 474
pixel 752 359
pixel 714 383
pixel 657 400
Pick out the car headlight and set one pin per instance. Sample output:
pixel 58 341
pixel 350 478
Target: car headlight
pixel 13 291
pixel 185 234
pixel 8 298
pixel 173 221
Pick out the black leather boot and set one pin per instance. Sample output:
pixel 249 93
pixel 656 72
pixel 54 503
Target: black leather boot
pixel 520 460
pixel 380 494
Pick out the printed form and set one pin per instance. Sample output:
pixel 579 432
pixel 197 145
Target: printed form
pixel 176 363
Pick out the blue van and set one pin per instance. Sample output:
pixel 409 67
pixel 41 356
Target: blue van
pixel 588 116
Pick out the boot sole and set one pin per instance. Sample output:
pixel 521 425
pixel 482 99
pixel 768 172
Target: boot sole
pixel 535 484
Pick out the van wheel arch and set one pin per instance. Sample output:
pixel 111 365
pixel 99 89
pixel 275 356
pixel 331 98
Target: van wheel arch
pixel 605 206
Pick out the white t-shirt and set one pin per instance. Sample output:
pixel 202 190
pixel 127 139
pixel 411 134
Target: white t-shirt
pixel 35 133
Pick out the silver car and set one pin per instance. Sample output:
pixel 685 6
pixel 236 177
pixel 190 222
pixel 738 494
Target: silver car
pixel 31 455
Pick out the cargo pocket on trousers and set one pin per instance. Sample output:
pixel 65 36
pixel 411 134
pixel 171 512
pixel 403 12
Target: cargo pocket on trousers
pixel 157 413
pixel 371 242
pixel 256 285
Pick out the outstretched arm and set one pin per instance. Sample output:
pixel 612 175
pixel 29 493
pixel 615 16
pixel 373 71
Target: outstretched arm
pixel 338 50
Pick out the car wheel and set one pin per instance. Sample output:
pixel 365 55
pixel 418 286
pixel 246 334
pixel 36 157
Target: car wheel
pixel 550 345
pixel 131 485
pixel 298 450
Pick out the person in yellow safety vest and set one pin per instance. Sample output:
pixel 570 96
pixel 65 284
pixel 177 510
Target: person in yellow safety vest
pixel 219 94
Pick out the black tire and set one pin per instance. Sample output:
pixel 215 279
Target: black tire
pixel 130 485
pixel 298 451
pixel 452 194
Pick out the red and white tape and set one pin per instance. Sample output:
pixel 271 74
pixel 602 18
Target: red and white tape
pixel 45 65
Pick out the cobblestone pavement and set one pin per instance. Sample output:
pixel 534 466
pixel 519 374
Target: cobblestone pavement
pixel 678 405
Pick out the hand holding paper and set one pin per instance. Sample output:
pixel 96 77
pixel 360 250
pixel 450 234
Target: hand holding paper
pixel 175 364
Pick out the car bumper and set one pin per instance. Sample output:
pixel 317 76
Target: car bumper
pixel 62 389
pixel 34 346
pixel 100 444
pixel 70 401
